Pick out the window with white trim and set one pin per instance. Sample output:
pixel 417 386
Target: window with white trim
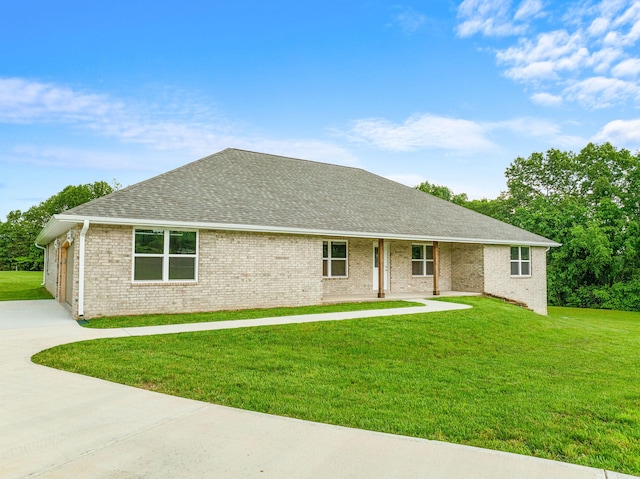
pixel 165 255
pixel 422 260
pixel 334 259
pixel 520 261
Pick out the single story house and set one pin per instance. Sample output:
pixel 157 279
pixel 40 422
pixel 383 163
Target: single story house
pixel 240 229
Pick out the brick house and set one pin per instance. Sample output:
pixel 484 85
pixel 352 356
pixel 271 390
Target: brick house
pixel 239 229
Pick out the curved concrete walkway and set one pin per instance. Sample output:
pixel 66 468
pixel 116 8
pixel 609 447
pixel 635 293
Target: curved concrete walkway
pixel 55 424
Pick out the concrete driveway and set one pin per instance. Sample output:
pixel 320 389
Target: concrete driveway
pixel 55 424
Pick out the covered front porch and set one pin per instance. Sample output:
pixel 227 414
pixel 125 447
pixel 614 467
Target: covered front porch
pixel 406 270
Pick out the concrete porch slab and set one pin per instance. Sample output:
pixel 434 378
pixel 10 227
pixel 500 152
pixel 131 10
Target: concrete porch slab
pixel 391 296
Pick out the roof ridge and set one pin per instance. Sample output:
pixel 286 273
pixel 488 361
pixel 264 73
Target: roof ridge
pixel 239 150
pixel 294 159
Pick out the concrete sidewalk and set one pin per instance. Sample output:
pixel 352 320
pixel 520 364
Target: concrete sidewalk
pixel 55 424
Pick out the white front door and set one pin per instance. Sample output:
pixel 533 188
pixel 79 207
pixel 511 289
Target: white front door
pixel 375 266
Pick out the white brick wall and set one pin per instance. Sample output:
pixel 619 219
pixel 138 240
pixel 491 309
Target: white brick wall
pixel 402 279
pixel 52 277
pixel 235 270
pixel 467 267
pixel 360 274
pixel 498 281
pixel 250 270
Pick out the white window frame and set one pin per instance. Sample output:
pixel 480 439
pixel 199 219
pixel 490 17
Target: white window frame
pixel 329 258
pixel 165 256
pixel 424 260
pixel 519 261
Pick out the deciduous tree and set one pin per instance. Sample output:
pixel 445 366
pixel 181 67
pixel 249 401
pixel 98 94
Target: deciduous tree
pixel 588 201
pixel 19 231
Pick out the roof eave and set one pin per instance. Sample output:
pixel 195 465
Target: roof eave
pixel 57 225
pixel 61 223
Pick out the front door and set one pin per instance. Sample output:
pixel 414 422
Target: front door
pixel 375 266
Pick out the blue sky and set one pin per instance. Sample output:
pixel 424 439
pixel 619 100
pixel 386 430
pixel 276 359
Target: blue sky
pixel 445 91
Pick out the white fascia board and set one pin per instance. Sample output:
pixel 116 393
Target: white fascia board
pixel 136 222
pixel 54 228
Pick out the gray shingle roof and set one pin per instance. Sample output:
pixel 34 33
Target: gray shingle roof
pixel 236 187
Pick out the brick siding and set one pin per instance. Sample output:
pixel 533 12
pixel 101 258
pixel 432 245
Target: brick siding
pixel 360 279
pixel 249 270
pixel 53 280
pixel 360 273
pixel 235 270
pixel 402 279
pixel 467 267
pixel 498 281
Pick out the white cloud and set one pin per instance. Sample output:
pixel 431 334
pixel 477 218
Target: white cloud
pixel 307 149
pixel 625 133
pixel 166 135
pixel 581 62
pixel 601 60
pixel 628 23
pixel 627 68
pixel 60 157
pixel 598 27
pixel 545 57
pixel 28 101
pixel 528 9
pixel 533 71
pixel 548 132
pixel 494 17
pixel 423 131
pixel 528 126
pixel 23 100
pixel 192 131
pixel 602 92
pixel 410 20
pixel 460 136
pixel 546 99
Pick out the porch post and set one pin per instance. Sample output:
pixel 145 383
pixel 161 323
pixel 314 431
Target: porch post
pixel 436 268
pixel 380 268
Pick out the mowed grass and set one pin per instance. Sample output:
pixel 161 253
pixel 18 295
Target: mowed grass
pixel 163 319
pixel 564 387
pixel 19 285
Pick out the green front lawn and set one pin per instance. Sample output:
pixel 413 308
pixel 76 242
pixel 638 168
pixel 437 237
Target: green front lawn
pixel 563 387
pixel 163 319
pixel 16 285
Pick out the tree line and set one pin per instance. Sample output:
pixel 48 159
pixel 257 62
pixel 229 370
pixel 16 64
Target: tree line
pixel 588 201
pixel 18 233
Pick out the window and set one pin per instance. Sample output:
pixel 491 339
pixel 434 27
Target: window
pixel 334 259
pixel 163 255
pixel 520 261
pixel 422 260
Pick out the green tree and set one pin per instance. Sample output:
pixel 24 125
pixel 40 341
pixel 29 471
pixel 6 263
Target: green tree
pixel 589 202
pixel 19 231
pixel 442 192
